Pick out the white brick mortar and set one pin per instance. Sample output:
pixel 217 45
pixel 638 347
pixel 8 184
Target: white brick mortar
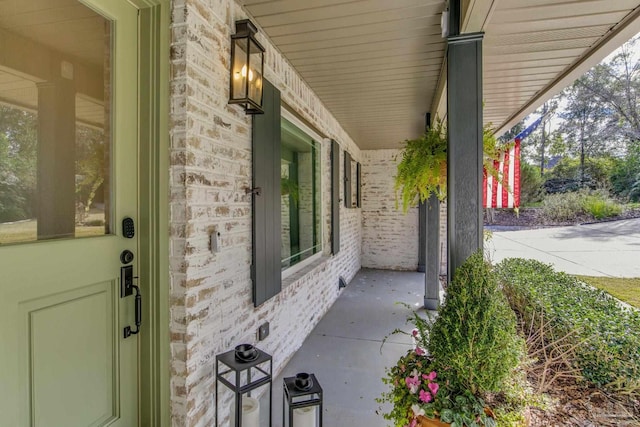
pixel 389 236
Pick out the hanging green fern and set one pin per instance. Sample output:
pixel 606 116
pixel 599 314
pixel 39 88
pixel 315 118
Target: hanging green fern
pixel 423 168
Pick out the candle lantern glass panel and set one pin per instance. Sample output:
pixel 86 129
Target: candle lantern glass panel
pixel 244 372
pixel 239 69
pixel 302 401
pixel 255 73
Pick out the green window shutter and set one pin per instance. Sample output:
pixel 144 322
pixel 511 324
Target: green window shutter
pixel 335 197
pixel 359 185
pixel 347 180
pixel 266 271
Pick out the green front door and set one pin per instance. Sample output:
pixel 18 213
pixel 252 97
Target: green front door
pixel 68 177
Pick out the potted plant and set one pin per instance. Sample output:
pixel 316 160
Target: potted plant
pixel 467 353
pixel 422 170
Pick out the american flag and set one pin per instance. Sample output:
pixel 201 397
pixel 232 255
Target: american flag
pixel 505 192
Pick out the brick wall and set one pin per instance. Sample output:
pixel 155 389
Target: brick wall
pixel 390 237
pixel 210 296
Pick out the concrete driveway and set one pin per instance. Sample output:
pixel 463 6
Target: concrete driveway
pixel 603 249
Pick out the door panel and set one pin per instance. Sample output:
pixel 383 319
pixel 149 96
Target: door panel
pixel 68 98
pixel 88 360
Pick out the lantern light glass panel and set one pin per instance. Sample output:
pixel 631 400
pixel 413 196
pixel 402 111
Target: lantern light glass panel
pixel 255 73
pixel 239 88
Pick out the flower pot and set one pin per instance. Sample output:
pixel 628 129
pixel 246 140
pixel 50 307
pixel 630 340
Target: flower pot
pixel 435 422
pixel 431 422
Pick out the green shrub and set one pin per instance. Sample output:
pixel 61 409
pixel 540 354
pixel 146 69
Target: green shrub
pixel 570 207
pixel 566 207
pixel 531 191
pixel 606 335
pixel 474 336
pixel 600 207
pixel 625 175
pixel 596 172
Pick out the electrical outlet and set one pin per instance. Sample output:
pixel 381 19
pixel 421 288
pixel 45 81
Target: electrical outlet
pixel 263 331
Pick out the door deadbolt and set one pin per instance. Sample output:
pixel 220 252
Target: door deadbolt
pixel 126 256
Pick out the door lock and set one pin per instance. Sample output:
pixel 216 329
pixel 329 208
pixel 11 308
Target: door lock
pixel 126 281
pixel 126 256
pixel 128 228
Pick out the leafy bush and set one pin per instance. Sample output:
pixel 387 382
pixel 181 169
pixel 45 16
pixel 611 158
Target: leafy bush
pixel 625 176
pixel 474 336
pixel 474 352
pixel 600 207
pixel 566 175
pixel 530 185
pixel 570 207
pixel 565 207
pixel 605 335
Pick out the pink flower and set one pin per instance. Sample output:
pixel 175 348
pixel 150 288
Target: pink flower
pixel 414 422
pixel 415 332
pixel 433 387
pixel 413 383
pixel 425 396
pixel 432 376
pixel 420 351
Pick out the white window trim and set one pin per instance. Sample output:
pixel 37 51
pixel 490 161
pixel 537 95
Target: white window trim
pixel 289 271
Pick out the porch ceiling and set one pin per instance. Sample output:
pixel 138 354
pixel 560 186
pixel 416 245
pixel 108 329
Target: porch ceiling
pixel 378 65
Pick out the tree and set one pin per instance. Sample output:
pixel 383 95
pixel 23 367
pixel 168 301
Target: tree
pixel 625 178
pixel 18 157
pixel 587 126
pixel 543 141
pixel 511 133
pixel 615 83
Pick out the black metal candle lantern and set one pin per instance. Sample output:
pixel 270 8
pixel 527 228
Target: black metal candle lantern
pixel 247 63
pixel 243 370
pixel 303 396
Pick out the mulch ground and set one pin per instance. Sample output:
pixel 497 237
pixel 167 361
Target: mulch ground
pixel 533 218
pixel 573 405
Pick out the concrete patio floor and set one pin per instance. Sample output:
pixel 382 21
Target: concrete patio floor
pixel 344 352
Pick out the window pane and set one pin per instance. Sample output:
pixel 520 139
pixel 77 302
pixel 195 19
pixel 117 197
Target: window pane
pixel 54 134
pixel 300 195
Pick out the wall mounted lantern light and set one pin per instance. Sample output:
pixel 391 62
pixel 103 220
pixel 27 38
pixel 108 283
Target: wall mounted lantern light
pixel 247 61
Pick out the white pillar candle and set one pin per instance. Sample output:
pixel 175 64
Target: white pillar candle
pixel 250 413
pixel 304 417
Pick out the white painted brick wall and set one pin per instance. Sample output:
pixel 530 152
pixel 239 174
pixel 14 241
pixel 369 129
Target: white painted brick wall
pixel 389 236
pixel 210 296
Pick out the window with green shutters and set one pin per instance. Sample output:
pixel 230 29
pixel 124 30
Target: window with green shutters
pixel 286 196
pixel 300 195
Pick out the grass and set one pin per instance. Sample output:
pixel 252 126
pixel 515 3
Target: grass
pixel 26 231
pixel 625 289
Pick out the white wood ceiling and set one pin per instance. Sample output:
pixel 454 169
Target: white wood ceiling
pixel 376 63
pixel 531 44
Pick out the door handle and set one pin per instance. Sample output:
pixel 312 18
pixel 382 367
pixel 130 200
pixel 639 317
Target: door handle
pixel 138 315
